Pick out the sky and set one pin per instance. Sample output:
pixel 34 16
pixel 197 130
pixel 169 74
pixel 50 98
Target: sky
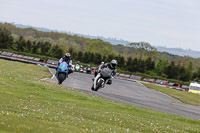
pixel 169 23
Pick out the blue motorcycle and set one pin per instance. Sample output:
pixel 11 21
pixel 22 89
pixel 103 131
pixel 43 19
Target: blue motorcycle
pixel 62 72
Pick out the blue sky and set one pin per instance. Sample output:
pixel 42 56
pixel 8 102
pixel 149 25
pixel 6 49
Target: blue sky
pixel 170 23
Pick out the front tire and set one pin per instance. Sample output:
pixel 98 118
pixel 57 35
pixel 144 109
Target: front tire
pixel 61 78
pixel 92 88
pixel 98 85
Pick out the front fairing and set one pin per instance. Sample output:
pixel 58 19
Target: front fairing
pixel 77 67
pixel 106 73
pixel 63 67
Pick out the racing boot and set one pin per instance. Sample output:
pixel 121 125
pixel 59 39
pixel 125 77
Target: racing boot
pixel 109 82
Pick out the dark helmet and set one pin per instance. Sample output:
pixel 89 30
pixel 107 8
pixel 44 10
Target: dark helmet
pixel 113 63
pixel 67 55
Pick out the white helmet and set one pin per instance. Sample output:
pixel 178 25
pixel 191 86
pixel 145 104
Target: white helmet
pixel 113 63
pixel 102 62
pixel 67 54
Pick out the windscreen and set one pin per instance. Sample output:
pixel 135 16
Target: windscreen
pixel 195 88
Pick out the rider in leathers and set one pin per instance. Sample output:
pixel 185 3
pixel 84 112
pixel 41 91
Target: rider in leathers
pixel 112 66
pixel 68 60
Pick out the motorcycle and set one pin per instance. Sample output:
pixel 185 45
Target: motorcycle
pixel 88 70
pixel 62 72
pixel 77 68
pixel 101 79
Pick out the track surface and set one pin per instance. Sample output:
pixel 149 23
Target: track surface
pixel 131 93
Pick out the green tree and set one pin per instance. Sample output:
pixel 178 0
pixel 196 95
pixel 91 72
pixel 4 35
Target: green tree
pixel 121 61
pixel 57 52
pixel 129 64
pixel 80 56
pixel 6 40
pixel 35 47
pixel 149 64
pixel 182 74
pixel 45 47
pixel 97 58
pixel 135 65
pixel 141 66
pixel 161 67
pixel 189 70
pixel 28 46
pixel 144 49
pixel 109 58
pixel 99 46
pixel 21 44
pixel 85 57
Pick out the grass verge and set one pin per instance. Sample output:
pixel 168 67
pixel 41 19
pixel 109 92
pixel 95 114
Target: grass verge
pixel 28 104
pixel 185 97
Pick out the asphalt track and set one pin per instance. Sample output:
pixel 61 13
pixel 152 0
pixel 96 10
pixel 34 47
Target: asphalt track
pixel 131 93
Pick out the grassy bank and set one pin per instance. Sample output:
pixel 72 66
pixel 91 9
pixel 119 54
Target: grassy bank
pixel 183 96
pixel 28 104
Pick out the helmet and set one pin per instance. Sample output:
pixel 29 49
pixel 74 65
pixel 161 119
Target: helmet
pixel 102 62
pixel 113 63
pixel 67 55
pixel 78 62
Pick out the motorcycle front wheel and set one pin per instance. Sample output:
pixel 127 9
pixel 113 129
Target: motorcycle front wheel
pixel 98 85
pixel 61 78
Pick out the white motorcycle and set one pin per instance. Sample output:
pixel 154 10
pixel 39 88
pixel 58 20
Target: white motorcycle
pixel 101 79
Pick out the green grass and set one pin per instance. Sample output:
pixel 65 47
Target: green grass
pixel 28 104
pixel 185 97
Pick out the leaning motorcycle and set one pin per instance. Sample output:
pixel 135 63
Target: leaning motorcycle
pixel 101 79
pixel 62 73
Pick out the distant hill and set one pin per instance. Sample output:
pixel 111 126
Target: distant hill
pixel 179 51
pixel 87 44
pixel 110 39
pixel 115 41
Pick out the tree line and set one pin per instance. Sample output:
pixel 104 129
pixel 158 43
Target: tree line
pixel 22 45
pixel 134 49
pixel 162 67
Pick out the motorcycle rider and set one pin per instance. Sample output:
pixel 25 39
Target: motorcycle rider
pixel 78 62
pixel 112 66
pixel 88 69
pixel 68 60
pixel 77 66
